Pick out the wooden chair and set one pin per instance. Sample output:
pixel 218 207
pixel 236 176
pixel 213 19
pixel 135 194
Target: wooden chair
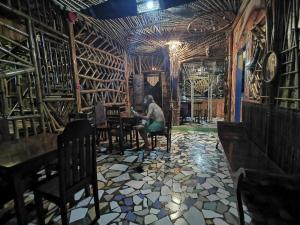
pixel 270 198
pixel 77 170
pixel 6 193
pixel 4 130
pixel 166 133
pixel 100 123
pixel 116 127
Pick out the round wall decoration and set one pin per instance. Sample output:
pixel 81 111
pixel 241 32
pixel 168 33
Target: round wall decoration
pixel 270 67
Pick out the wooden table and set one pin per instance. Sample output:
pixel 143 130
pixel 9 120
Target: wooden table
pixel 132 121
pixel 22 159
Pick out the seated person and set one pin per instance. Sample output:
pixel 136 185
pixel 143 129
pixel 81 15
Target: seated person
pixel 154 121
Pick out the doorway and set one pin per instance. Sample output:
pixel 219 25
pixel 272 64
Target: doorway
pixel 240 79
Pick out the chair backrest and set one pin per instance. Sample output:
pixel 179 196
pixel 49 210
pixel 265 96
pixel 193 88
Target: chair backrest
pixel 100 114
pixel 77 154
pixel 4 130
pixel 113 116
pixel 113 112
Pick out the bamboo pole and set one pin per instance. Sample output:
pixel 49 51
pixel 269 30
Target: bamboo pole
pixel 33 55
pixel 74 67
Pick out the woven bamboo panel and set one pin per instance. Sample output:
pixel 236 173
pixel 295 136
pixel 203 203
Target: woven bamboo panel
pixel 101 67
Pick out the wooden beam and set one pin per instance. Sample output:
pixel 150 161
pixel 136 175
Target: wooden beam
pixel 76 81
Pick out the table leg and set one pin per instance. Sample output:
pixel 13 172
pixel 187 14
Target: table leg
pixel 137 139
pixel 19 201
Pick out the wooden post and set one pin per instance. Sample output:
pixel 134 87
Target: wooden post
pixel 127 74
pixel 3 94
pixel 39 97
pixel 74 67
pixel 192 100
pixel 229 79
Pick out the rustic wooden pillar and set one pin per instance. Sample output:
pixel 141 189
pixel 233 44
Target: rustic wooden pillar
pixel 229 80
pixel 192 100
pixel 174 74
pixel 127 74
pixel 4 99
pixel 33 55
pixel 76 80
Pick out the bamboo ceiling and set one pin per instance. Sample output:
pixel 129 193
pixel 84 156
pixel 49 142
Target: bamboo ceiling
pixel 197 25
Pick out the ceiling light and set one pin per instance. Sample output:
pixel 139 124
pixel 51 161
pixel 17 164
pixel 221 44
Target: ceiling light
pixel 150 5
pixel 147 5
pixel 173 45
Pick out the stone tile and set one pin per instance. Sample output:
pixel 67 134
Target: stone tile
pixel 102 157
pixel 209 214
pixel 84 202
pixel 210 206
pixel 121 178
pixel 218 221
pixel 181 221
pixel 78 214
pixel 144 212
pixel 145 202
pixel 199 205
pixel 169 183
pixel 138 208
pixel 229 218
pixel 165 198
pixel 130 216
pixel 137 200
pixel 150 219
pixel 175 215
pixel 176 199
pixel 173 206
pixel 147 191
pixel 78 195
pixel 107 218
pixel 194 217
pixel 113 174
pixel 130 159
pixel 164 221
pixel 100 177
pixel 177 187
pixel 221 208
pixel 154 211
pixel 165 190
pixel 153 196
pixel 112 190
pixel 126 191
pixel 119 167
pixel 135 184
pixel 213 198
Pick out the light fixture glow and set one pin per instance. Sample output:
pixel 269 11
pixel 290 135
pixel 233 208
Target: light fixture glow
pixel 173 45
pixel 150 5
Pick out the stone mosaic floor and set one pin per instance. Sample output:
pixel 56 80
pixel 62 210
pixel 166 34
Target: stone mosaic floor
pixel 189 186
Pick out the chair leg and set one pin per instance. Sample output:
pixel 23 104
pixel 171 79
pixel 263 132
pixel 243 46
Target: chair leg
pixel 64 214
pixel 39 208
pixel 96 199
pixel 131 144
pixel 168 142
pixel 155 141
pixel 110 142
pixel 152 142
pixel 137 140
pixel 121 142
pixel 239 201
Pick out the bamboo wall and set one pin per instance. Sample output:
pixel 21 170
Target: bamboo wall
pixel 280 18
pixel 50 67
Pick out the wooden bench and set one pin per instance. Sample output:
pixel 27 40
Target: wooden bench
pixel 272 197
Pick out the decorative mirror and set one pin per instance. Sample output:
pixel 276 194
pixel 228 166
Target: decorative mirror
pixel 270 67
